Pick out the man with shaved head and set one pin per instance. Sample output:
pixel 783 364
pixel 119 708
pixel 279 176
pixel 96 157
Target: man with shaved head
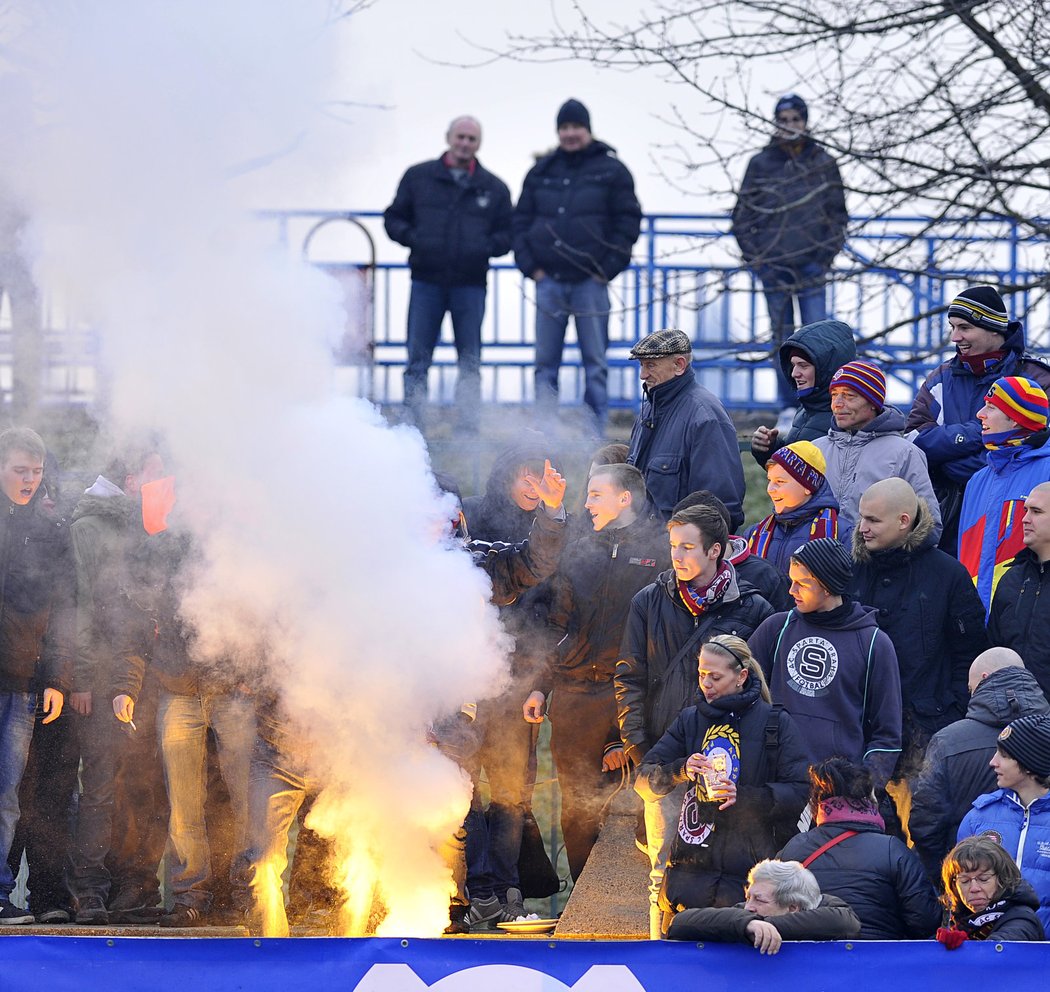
pixel 927 605
pixel 956 770
pixel 454 216
pixel 1020 614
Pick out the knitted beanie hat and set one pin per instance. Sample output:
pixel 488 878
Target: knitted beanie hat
pixel 792 101
pixel 864 379
pixel 804 462
pixel 574 112
pixel 1027 741
pixel 981 306
pixel 1022 400
pixel 829 561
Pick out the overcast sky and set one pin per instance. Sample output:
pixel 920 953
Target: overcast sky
pixel 405 99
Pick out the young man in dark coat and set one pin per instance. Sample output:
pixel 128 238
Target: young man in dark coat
pixel 956 769
pixel 790 222
pixel 36 628
pixel 683 439
pixel 574 226
pixel 454 216
pixel 1020 614
pixel 590 595
pixel 830 667
pixel 925 602
pixel 988 346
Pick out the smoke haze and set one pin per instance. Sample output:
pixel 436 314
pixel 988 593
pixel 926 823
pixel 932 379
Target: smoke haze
pixel 130 127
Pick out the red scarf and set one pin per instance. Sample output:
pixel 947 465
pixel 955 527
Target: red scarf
pixel 698 603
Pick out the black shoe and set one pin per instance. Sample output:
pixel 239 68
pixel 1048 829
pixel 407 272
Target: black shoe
pixel 183 916
pixel 54 915
pixel 91 912
pixel 457 920
pixel 11 915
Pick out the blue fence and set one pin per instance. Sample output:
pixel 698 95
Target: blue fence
pixel 891 284
pixel 94 964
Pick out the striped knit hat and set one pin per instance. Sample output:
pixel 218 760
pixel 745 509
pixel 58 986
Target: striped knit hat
pixel 981 306
pixel 804 462
pixel 1022 400
pixel 1027 741
pixel 864 379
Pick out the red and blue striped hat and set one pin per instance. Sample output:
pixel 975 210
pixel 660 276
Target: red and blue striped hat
pixel 864 379
pixel 1022 400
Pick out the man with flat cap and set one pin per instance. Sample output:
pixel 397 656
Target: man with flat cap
pixel 574 227
pixel 683 439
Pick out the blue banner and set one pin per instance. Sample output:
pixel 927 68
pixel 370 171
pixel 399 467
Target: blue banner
pixel 160 964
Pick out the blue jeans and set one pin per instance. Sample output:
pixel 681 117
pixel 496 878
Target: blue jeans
pixel 588 303
pixel 427 306
pixel 182 723
pixel 783 288
pixel 17 713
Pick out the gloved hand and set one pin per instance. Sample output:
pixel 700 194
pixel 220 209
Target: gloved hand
pixel 951 938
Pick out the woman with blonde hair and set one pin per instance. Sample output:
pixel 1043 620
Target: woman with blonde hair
pixel 746 765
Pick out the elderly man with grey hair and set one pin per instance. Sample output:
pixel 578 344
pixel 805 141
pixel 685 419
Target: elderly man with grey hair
pixel 683 439
pixel 783 903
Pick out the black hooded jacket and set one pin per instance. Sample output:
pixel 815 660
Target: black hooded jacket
pixel 956 769
pixel 1020 613
pixel 828 345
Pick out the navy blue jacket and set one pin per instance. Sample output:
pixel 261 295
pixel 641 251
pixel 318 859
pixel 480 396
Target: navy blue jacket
pixel 682 441
pixel 945 409
pixel 879 876
pixel 791 210
pixel 452 228
pixel 792 528
pixel 578 216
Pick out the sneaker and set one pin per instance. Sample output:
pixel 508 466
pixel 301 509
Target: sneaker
pixel 457 920
pixel 513 908
pixel 55 915
pixel 183 916
pixel 133 905
pixel 91 911
pixel 484 913
pixel 11 915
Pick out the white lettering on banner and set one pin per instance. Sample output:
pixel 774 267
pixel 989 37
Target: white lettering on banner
pixel 505 977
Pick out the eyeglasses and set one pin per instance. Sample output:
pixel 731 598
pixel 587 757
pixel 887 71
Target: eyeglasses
pixel 981 878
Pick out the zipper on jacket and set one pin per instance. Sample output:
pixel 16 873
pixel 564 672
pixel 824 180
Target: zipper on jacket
pixel 616 548
pixel 1024 834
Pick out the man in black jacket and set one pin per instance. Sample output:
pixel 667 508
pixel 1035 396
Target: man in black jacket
pixel 1020 610
pixel 36 627
pixel 927 605
pixel 590 594
pixel 454 215
pixel 574 226
pixel 956 770
pixel 790 222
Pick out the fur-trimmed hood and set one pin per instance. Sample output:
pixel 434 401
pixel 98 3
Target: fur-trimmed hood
pixel 919 537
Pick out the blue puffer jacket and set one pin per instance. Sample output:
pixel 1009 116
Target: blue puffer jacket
pixel 829 345
pixel 1025 834
pixel 945 408
pixel 990 533
pixel 682 441
pixel 794 528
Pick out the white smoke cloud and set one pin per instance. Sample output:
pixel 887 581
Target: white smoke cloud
pixel 129 129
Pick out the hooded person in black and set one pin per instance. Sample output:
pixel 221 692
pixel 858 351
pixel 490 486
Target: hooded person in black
pixel 809 359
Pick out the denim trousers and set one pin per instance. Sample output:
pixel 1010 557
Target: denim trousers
pixel 588 304
pixel 17 714
pixel 182 724
pixel 427 305
pixel 783 290
pixel 122 816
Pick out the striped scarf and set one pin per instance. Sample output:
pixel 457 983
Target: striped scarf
pixel 697 603
pixel 824 524
pixel 1005 439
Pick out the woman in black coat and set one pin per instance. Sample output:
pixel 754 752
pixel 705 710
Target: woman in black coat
pixel 748 762
pixel 986 896
pixel 879 876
